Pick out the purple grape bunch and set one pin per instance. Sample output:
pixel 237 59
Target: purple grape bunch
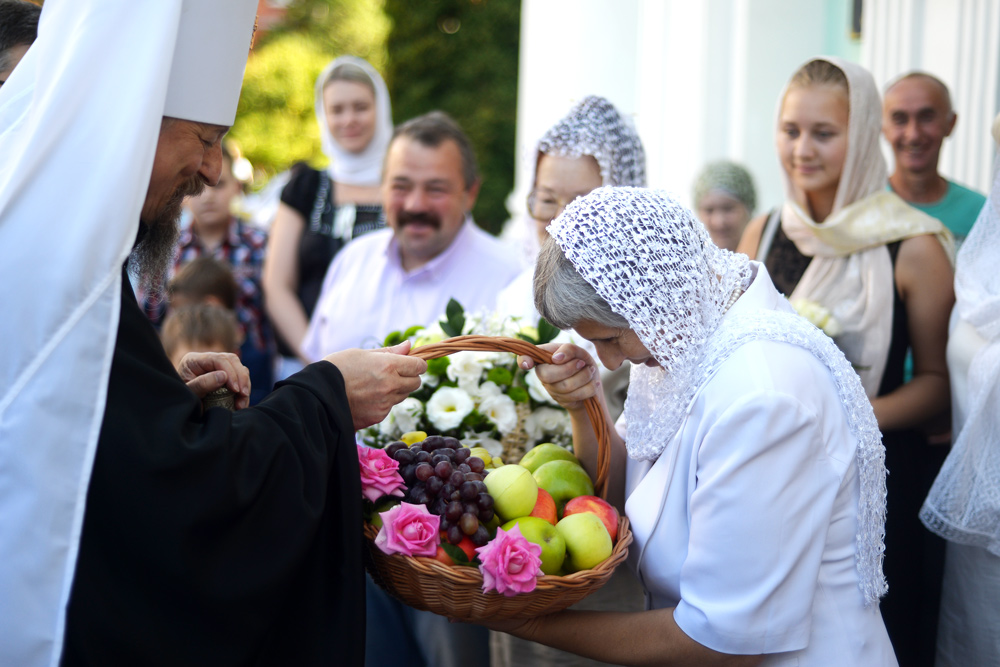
pixel 443 475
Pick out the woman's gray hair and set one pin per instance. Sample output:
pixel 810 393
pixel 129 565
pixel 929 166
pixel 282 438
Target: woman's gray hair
pixel 564 298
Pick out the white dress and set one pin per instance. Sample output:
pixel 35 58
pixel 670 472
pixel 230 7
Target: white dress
pixel 969 623
pixel 747 521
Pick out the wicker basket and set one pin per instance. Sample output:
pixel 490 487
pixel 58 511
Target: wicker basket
pixel 457 592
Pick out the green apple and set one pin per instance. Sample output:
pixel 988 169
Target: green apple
pixel 545 452
pixel 544 534
pixel 513 489
pixel 564 480
pixel 587 541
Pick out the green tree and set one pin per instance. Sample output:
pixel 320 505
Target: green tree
pixel 276 122
pixel 460 56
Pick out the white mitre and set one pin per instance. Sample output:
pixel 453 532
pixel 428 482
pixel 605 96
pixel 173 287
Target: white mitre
pixel 79 123
pixel 206 75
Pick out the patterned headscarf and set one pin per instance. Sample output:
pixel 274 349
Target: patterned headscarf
pixel 595 127
pixel 729 177
pixel 655 265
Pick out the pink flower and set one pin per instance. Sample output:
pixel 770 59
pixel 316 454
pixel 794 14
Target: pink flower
pixel 510 563
pixel 379 474
pixel 409 530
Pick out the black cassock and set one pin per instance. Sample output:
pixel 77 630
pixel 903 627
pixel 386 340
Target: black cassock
pixel 223 538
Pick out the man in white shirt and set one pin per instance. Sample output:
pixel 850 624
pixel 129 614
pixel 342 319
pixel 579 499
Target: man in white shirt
pixel 430 252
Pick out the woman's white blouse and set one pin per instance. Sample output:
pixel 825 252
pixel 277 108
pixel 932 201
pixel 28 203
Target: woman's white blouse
pixel 747 522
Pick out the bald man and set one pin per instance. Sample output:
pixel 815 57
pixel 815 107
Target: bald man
pixel 917 116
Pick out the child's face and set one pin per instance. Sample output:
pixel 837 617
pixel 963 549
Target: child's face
pixel 188 346
pixel 812 137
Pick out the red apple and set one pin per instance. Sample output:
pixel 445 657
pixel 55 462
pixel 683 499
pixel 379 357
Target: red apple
pixel 465 545
pixel 545 507
pixel 602 508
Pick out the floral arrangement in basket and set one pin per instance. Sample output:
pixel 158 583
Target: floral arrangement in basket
pixel 537 540
pixel 444 504
pixel 481 397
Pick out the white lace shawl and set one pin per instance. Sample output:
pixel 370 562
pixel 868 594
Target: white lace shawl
pixel 656 266
pixel 964 502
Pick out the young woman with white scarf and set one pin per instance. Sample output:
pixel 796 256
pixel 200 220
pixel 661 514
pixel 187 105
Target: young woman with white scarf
pixel 748 458
pixel 964 503
pixel 320 211
pixel 846 242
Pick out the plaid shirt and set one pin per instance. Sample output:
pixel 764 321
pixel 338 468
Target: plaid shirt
pixel 243 251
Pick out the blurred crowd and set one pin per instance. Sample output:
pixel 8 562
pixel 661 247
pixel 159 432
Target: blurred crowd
pixel 383 237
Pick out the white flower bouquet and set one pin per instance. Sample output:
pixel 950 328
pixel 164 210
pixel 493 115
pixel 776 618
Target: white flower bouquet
pixel 819 316
pixel 482 398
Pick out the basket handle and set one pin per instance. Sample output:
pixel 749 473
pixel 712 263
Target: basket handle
pixel 523 347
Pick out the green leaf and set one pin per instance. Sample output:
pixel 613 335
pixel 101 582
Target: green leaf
pixel 438 366
pixel 518 394
pixel 500 375
pixel 409 333
pixel 454 321
pixel 455 553
pixel 546 332
pixel 394 338
pixel 530 339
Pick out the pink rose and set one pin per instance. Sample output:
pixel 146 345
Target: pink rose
pixel 409 530
pixel 379 474
pixel 510 563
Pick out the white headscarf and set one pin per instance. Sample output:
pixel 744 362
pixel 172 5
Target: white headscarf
pixel 655 265
pixel 364 168
pixel 595 127
pixel 964 502
pixel 65 254
pixel 851 270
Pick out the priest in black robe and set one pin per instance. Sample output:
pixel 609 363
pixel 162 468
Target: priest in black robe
pixel 137 528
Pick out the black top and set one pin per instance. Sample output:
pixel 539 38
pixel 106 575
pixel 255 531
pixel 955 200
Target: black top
pixel 310 192
pixel 218 538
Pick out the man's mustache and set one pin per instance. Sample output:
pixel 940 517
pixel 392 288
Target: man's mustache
pixel 404 219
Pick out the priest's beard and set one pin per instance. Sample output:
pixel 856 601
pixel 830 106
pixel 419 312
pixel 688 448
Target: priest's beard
pixel 152 256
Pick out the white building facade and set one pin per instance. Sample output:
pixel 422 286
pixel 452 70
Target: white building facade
pixel 701 78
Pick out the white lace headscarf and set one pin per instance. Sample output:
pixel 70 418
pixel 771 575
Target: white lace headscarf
pixel 595 127
pixel 655 265
pixel 964 502
pixel 364 168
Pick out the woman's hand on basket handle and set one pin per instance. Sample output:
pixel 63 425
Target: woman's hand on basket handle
pixel 571 378
pixel 376 380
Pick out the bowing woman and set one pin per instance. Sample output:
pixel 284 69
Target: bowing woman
pixel 320 211
pixel 748 458
pixel 845 241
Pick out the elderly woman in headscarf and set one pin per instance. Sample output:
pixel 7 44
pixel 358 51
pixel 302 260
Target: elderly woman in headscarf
pixel 724 199
pixel 748 458
pixel 321 210
pixel 591 146
pixel 845 245
pixel 964 503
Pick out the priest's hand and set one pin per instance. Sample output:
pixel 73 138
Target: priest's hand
pixel 376 380
pixel 204 372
